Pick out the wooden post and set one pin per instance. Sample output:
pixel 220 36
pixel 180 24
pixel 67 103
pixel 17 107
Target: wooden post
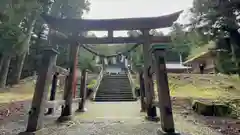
pixel 151 110
pixel 164 98
pixel 75 75
pixel 142 91
pixel 36 114
pixel 53 91
pixel 68 92
pixel 81 107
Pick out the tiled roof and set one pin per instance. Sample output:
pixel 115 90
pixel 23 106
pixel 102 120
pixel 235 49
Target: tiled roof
pixel 176 66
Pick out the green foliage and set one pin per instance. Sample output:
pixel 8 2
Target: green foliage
pixel 216 17
pixel 185 41
pixel 92 84
pixel 137 56
pixel 12 36
pixel 220 20
pixel 11 39
pixel 70 8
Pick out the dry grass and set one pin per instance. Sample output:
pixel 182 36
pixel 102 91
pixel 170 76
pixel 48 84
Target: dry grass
pixel 18 93
pixel 22 92
pixel 204 86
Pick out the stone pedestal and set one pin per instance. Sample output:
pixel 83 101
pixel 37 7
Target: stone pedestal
pixel 53 92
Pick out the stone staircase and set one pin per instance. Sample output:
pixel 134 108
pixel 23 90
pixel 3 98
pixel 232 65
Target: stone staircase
pixel 114 88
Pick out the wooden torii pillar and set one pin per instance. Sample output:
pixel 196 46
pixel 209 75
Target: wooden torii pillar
pixel 82 94
pixel 36 113
pixel 142 89
pixel 68 91
pixel 167 123
pixel 148 82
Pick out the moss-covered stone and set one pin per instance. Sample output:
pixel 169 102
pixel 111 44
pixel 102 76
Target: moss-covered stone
pixel 205 109
pixel 211 109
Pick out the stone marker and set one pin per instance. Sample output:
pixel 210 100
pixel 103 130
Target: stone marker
pixel 53 91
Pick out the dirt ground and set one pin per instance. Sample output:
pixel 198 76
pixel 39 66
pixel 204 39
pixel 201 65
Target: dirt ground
pixel 186 88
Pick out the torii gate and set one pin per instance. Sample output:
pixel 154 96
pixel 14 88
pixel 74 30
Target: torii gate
pixel 74 27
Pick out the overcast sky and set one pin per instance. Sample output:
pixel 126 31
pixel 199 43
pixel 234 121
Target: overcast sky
pixel 107 9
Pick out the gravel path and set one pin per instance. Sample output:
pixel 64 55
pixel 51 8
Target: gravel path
pixel 122 119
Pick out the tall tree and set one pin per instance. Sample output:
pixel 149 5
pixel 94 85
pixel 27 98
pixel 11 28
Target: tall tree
pixel 12 35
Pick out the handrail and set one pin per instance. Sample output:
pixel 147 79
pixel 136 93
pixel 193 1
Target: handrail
pixel 99 79
pixel 131 82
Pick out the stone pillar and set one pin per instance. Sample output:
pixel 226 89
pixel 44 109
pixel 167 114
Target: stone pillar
pixel 103 63
pixel 164 98
pixel 114 60
pixel 148 82
pixel 81 107
pixel 68 91
pixel 36 114
pixel 53 91
pixel 142 91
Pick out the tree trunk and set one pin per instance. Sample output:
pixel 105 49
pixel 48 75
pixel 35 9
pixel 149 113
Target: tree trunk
pixel 4 70
pixel 18 68
pixel 235 46
pixel 21 57
pixel 1 61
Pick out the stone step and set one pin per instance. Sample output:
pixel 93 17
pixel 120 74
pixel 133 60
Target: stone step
pixel 117 75
pixel 114 95
pixel 114 84
pixel 114 90
pixel 110 79
pixel 120 79
pixel 104 99
pixel 115 87
pixel 125 78
pixel 115 80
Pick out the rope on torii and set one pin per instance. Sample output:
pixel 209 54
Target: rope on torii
pixel 86 47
